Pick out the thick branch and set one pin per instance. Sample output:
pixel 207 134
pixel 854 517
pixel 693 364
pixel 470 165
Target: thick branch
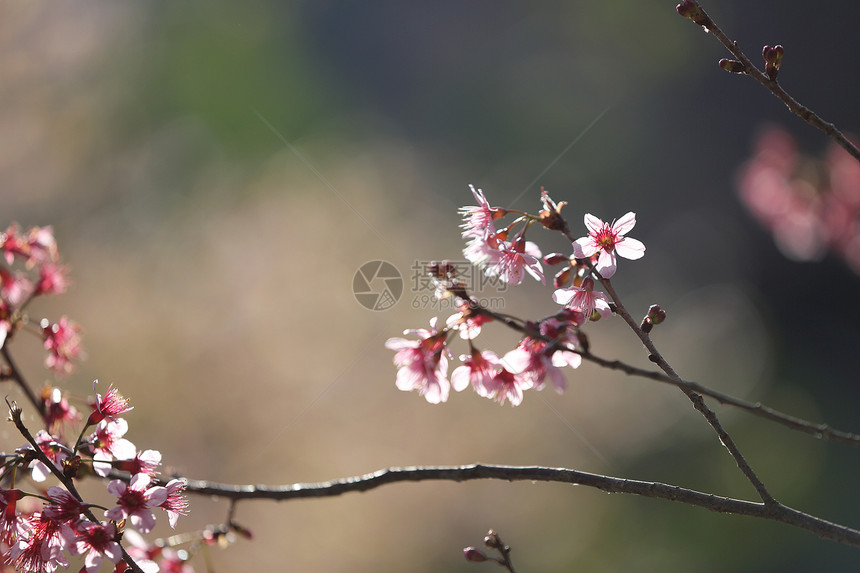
pixel 771 84
pixel 775 512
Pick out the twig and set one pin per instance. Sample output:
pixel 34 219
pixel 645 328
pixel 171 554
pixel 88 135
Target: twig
pixel 822 431
pixel 16 375
pixel 698 403
pixel 692 10
pixel 774 512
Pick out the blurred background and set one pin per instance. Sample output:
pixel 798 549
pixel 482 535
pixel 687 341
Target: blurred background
pixel 216 173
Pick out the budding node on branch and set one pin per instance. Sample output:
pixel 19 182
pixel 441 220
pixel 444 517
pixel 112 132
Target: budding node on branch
pixel 691 9
pixel 732 66
pixel 772 60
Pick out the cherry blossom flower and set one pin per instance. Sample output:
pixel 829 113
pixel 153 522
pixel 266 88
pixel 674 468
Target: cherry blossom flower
pixel 482 250
pixel 97 540
pixel 533 362
pixel 514 259
pixel 467 323
pixel 64 507
pixel 478 221
pixel 144 462
pixel 57 408
pixel 12 244
pixel 45 442
pixel 584 299
pixel 176 504
pixel 63 343
pixel 607 241
pixel 14 287
pixel 42 246
pixel 478 369
pixel 11 523
pixel 422 364
pixel 134 501
pixel 111 406
pixel 506 385
pixel 108 443
pixel 53 279
pixel 42 548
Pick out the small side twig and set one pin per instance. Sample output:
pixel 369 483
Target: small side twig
pixel 492 541
pixel 692 10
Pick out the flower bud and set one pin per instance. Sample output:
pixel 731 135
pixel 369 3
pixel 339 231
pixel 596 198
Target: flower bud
pixel 691 9
pixel 772 60
pixel 555 259
pixel 732 66
pixel 473 555
pixel 492 540
pixel 562 278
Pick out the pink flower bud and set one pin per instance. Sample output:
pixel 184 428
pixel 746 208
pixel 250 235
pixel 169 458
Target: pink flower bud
pixel 473 555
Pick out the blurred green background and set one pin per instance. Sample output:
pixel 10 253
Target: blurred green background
pixel 216 173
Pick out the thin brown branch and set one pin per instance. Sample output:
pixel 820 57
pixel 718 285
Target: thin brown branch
pixel 15 374
pixel 822 431
pixel 773 85
pixel 775 512
pixel 697 400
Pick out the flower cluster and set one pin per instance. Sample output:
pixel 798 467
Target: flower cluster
pixel 810 206
pixel 547 345
pixel 31 270
pixel 40 539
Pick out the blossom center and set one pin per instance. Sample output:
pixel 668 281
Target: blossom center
pixel 606 238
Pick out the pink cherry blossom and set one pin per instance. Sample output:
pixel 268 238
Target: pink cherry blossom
pixel 53 279
pixel 14 287
pixel 478 221
pixel 584 299
pixel 97 540
pixel 64 507
pixel 63 343
pixel 46 443
pixel 134 501
pixel 514 259
pixel 108 443
pixel 109 406
pixel 422 364
pixel 478 369
pixel 534 361
pixel 41 549
pixel 506 385
pixel 176 504
pixel 607 241
pixel 467 323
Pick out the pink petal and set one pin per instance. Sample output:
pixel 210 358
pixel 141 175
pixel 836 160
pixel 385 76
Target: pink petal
pixel 606 264
pixel 460 378
pixel 593 223
pixel 563 295
pixel 625 223
pixel 584 247
pixel 630 248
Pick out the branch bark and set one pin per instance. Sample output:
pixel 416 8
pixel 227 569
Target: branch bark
pixel 774 512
